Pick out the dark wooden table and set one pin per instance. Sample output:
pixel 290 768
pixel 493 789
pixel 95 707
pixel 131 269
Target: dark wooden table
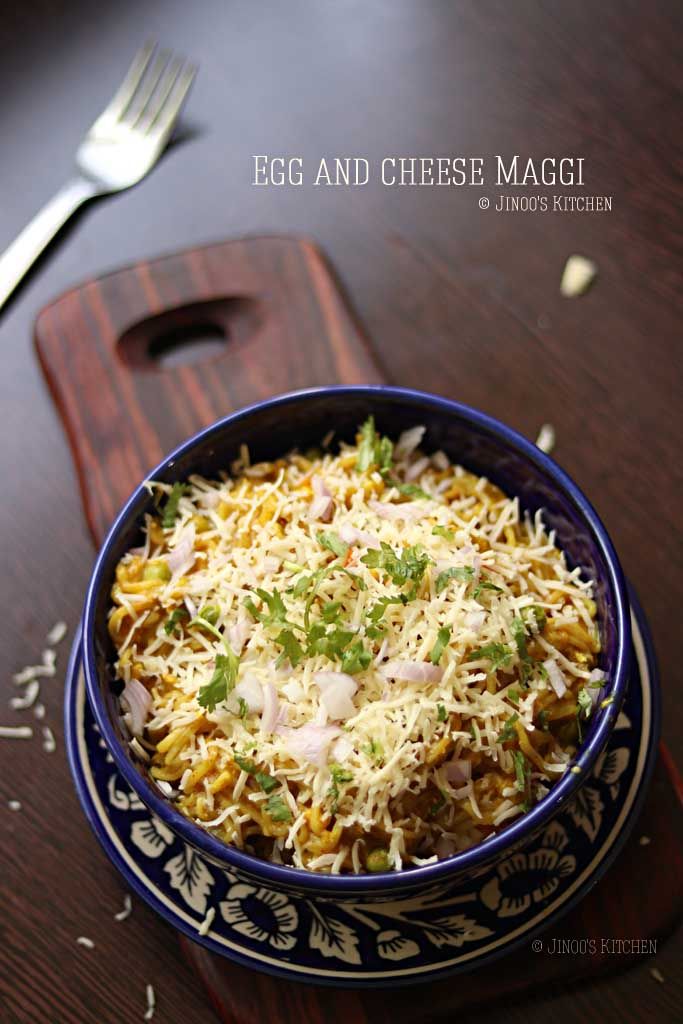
pixel 456 299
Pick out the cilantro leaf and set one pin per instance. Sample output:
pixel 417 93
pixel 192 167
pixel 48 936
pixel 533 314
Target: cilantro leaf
pixel 276 614
pixel 244 707
pixel 438 805
pixel 498 654
pixel 408 567
pixel 356 658
pixel 173 620
pixel 522 770
pixel 333 542
pixel 508 731
pixel 373 450
pixel 222 681
pixel 339 777
pixel 377 611
pixel 245 763
pixel 584 707
pixel 170 510
pixel 331 611
pixel 484 584
pixel 441 713
pixel 443 531
pixel 462 572
pixel 513 695
pixel 374 750
pixel 538 614
pixel 543 720
pixel 329 642
pixel 277 809
pixel 265 781
pixel 292 650
pixel 442 638
pixel 409 490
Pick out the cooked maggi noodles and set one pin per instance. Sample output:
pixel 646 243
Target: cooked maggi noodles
pixel 352 662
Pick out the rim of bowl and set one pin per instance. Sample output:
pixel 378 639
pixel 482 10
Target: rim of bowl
pixel 426 875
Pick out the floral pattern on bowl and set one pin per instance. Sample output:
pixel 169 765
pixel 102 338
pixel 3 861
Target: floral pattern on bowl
pixel 373 942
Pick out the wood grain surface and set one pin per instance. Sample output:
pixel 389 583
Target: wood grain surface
pixel 456 299
pixel 274 303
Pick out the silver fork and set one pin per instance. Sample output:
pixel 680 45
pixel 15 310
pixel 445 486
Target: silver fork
pixel 124 144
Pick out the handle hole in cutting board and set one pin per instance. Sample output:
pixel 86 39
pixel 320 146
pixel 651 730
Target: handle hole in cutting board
pixel 189 334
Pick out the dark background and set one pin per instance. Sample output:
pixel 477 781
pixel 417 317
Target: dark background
pixel 456 300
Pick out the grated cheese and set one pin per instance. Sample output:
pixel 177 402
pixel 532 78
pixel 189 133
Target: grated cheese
pixel 400 704
pixel 127 909
pixel 83 940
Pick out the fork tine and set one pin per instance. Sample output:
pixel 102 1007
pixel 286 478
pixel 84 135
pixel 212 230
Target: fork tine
pixel 168 114
pixel 121 100
pixel 156 102
pixel 145 90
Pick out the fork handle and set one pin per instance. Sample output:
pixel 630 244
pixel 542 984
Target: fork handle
pixel 27 247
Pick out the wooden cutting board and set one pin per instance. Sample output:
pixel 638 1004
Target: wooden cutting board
pixel 267 315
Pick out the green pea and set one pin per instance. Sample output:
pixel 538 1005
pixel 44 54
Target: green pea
pixel 210 613
pixel 157 570
pixel 377 860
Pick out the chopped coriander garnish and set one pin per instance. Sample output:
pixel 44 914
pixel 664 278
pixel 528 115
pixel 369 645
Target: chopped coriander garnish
pixel 442 638
pixel 222 681
pixel 333 542
pixel 292 650
pixel 522 770
pixel 331 611
pixel 339 777
pixel 508 731
pixel 173 620
pixel 277 809
pixel 498 654
pixel 244 707
pixel 170 511
pixel 441 714
pixel 374 750
pixel 408 490
pixel 373 450
pixel 543 720
pixel 355 658
pixel 538 615
pixel 464 573
pixel 377 611
pixel 438 805
pixel 484 584
pixel 443 531
pixel 210 613
pixel 265 781
pixel 513 695
pixel 276 614
pixel 245 763
pixel 408 567
pixel 584 707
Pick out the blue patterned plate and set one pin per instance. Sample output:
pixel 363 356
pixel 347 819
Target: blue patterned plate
pixel 360 942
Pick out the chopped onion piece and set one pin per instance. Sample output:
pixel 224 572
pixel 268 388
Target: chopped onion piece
pixel 458 771
pixel 408 441
pixel 309 742
pixel 351 535
pixel 271 707
pixel 181 559
pixel 412 671
pixel 250 690
pixel 406 510
pixel 417 468
pixel 336 692
pixel 138 702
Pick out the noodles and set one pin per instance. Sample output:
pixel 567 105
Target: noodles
pixel 353 658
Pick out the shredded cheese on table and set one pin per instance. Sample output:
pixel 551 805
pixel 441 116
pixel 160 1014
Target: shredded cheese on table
pixel 352 661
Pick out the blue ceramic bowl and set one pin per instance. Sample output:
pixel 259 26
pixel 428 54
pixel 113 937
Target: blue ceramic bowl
pixel 471 438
